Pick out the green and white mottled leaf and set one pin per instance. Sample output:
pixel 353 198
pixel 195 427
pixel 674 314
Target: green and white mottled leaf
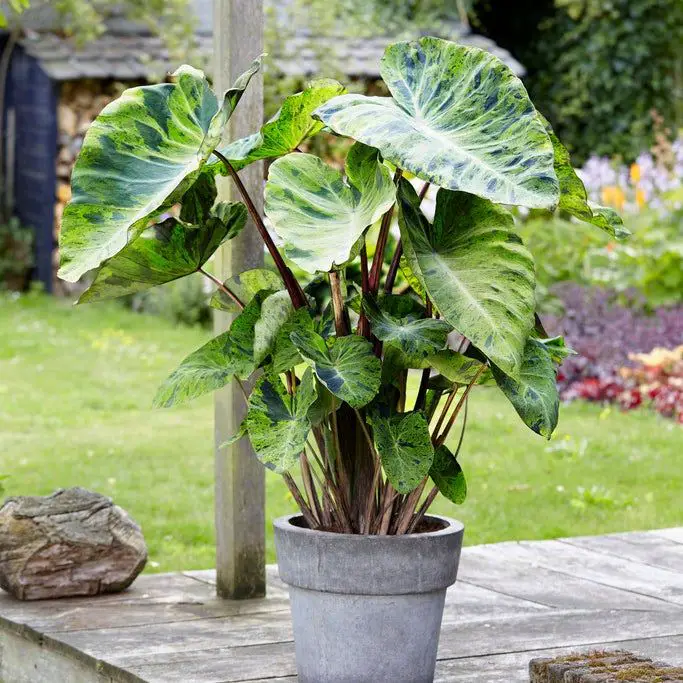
pixel 558 349
pixel 573 195
pixel 405 448
pixel 198 201
pixel 165 252
pixel 278 320
pixel 213 365
pixel 277 423
pixel 414 336
pixel 448 476
pixel 534 396
pixel 456 367
pixel 347 366
pixel 459 118
pixel 318 215
pixel 291 125
pixel 475 269
pixel 323 405
pixel 245 286
pixel 139 157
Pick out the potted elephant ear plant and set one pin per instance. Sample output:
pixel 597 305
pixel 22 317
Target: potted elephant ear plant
pixel 355 397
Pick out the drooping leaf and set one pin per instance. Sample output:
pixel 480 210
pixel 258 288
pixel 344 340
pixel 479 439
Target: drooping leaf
pixel 139 157
pixel 414 336
pixel 291 125
pixel 317 214
pixel 213 365
pixel 198 201
pixel 245 286
pixel 475 268
pixel 165 252
pixel 459 118
pixel 323 405
pixel 345 365
pixel 405 448
pixel 573 195
pixel 277 423
pixel 534 395
pixel 457 367
pixel 278 320
pixel 448 476
pixel 558 349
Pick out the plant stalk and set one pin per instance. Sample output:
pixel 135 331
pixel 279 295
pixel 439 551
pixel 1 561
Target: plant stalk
pixel 224 288
pixel 378 260
pixel 341 323
pixel 291 283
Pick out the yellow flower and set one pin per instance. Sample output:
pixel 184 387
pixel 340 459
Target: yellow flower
pixel 613 196
pixel 640 198
pixel 635 174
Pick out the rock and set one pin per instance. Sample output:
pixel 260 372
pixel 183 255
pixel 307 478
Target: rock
pixel 74 542
pixel 67 120
pixel 602 667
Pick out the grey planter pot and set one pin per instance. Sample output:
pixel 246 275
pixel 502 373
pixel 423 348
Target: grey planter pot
pixel 366 609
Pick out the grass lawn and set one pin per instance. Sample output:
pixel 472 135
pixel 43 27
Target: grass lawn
pixel 76 385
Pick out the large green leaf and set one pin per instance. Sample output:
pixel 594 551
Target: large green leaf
pixel 448 476
pixel 345 365
pixel 475 270
pixel 457 367
pixel 139 156
pixel 413 335
pixel 291 125
pixel 534 395
pixel 459 118
pixel 165 252
pixel 278 320
pixel 213 365
pixel 317 214
pixel 277 423
pixel 405 448
pixel 245 286
pixel 573 195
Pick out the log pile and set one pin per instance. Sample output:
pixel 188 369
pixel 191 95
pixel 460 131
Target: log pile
pixel 79 104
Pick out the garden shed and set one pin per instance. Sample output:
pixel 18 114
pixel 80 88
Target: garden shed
pixel 56 88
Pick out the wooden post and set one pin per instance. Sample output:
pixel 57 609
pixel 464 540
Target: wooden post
pixel 240 478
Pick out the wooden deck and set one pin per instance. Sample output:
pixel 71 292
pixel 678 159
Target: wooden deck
pixel 513 601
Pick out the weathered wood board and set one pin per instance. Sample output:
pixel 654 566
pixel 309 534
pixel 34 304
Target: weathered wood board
pixel 512 602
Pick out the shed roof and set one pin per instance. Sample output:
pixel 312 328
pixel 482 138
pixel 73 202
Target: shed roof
pixel 128 52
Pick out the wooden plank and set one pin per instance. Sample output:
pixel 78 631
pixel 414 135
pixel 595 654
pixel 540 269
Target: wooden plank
pixel 636 577
pixel 499 567
pixel 656 551
pixel 476 638
pixel 240 478
pixel 674 534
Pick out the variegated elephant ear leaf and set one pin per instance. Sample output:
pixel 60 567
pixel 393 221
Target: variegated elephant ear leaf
pixel 165 252
pixel 450 103
pixel 281 135
pixel 138 158
pixel 475 269
pixel 318 215
pixel 573 195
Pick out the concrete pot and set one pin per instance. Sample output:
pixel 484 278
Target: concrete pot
pixel 367 609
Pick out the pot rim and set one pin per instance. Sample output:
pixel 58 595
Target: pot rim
pixel 453 526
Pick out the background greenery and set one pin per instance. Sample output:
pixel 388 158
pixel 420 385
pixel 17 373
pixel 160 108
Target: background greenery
pixel 76 384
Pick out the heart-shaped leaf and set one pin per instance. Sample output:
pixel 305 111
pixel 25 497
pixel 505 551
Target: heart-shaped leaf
pixel 459 118
pixel 165 252
pixel 414 336
pixel 457 367
pixel 345 365
pixel 573 195
pixel 475 270
pixel 286 130
pixel 245 286
pixel 405 448
pixel 139 156
pixel 278 320
pixel 534 395
pixel 213 365
pixel 317 214
pixel 448 476
pixel 277 423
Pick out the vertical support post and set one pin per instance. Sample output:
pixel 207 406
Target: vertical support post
pixel 240 478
